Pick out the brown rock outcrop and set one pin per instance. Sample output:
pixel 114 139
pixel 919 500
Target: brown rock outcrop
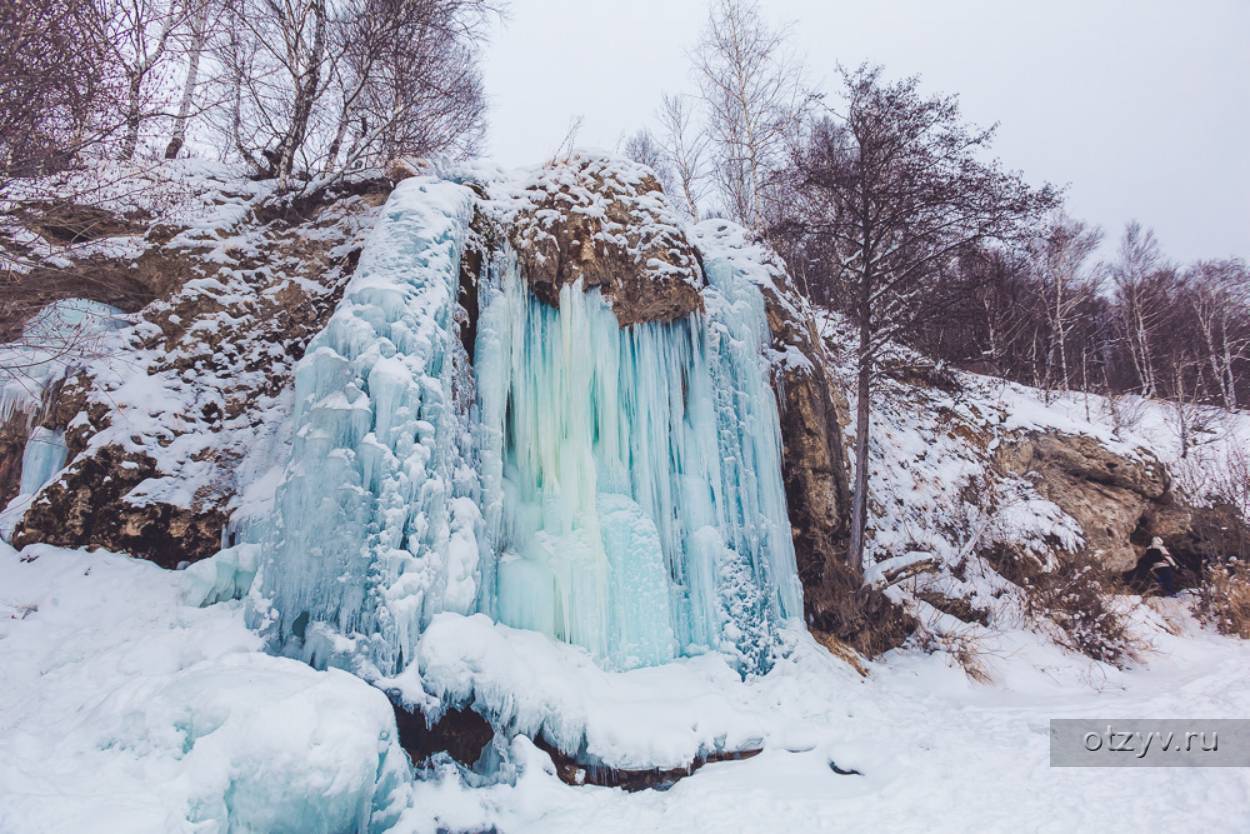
pixel 155 478
pixel 1121 502
pixel 606 223
pixel 814 467
pixel 13 433
pixel 88 506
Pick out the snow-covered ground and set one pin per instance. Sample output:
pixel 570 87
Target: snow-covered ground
pixel 937 753
pixel 127 709
pixel 124 709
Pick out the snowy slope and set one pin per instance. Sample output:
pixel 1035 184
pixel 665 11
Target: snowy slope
pixel 126 710
pixel 939 495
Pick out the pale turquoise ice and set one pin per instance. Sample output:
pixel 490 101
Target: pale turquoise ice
pixel 42 458
pixel 615 488
pixel 632 476
pixel 375 522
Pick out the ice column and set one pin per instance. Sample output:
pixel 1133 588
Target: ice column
pixel 376 520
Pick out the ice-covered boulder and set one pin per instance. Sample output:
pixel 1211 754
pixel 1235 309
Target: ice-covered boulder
pixel 127 710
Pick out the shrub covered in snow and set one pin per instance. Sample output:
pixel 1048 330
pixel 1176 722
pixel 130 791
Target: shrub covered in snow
pixel 1075 604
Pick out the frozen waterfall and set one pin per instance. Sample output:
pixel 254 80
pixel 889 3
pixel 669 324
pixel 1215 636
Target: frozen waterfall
pixel 616 488
pixel 42 458
pixel 632 477
pixel 376 521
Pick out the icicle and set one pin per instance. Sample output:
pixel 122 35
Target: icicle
pixel 632 477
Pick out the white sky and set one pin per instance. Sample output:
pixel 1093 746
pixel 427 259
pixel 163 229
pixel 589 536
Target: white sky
pixel 1141 106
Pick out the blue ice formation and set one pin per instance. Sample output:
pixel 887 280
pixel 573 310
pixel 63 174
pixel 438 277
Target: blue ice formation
pixel 632 476
pixel 376 521
pixel 42 458
pixel 616 488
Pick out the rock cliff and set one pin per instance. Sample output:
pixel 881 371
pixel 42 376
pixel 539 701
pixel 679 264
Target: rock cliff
pixel 223 292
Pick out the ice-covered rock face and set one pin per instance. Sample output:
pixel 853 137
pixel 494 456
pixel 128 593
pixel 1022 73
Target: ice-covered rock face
pixel 615 487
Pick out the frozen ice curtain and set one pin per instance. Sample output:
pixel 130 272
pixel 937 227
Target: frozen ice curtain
pixel 615 488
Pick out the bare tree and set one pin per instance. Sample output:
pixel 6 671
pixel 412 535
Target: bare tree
pixel 1061 261
pixel 1137 278
pixel 139 36
pixel 893 192
pixel 642 148
pixel 686 148
pixel 1219 293
pixel 58 86
pixel 275 61
pixel 193 43
pixel 407 81
pixel 568 142
pixel 320 87
pixel 752 93
pixel 1194 420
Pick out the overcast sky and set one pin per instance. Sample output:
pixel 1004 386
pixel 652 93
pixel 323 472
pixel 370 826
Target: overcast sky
pixel 1142 107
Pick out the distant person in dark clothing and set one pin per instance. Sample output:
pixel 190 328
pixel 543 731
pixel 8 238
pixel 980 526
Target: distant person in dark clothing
pixel 1156 568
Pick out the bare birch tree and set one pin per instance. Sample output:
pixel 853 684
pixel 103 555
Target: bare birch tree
pixel 686 150
pixel 1136 278
pixel 751 90
pixel 193 43
pixel 1219 292
pixel 1061 261
pixel 140 34
pixel 316 87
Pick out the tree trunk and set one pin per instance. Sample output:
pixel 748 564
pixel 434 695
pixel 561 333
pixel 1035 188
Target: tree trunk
pixel 332 155
pixel 198 28
pixel 131 142
pixel 859 495
pixel 1230 378
pixel 307 89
